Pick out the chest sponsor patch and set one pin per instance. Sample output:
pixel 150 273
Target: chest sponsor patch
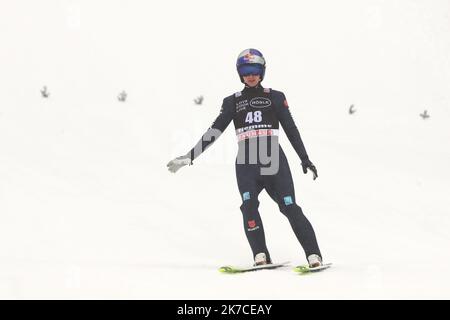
pixel 260 102
pixel 241 105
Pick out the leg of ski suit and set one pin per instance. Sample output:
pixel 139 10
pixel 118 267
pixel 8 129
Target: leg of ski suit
pixel 280 188
pixel 250 184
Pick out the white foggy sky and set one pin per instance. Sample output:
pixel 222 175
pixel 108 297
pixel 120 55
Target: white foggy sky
pixel 366 49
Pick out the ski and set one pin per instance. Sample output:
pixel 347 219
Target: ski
pixel 234 269
pixel 305 269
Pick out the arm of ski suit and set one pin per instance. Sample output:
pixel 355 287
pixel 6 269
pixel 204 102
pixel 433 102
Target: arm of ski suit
pixel 217 128
pixel 287 122
pixel 289 127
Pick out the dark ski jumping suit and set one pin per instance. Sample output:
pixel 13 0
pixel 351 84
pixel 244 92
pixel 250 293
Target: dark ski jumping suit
pixel 257 113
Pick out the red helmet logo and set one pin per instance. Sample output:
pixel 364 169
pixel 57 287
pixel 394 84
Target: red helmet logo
pixel 248 57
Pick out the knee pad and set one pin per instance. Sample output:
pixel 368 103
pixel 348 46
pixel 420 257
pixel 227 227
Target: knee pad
pixel 289 208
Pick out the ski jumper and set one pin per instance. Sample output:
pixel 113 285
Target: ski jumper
pixel 257 113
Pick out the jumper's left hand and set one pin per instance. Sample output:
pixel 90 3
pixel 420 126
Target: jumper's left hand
pixel 307 164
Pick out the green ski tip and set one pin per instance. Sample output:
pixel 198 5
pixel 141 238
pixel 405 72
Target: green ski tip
pixel 228 269
pixel 233 269
pixel 302 269
pixel 305 269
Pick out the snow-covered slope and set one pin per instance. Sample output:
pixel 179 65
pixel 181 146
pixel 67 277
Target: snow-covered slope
pixel 88 209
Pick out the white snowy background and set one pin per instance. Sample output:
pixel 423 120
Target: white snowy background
pixel 89 210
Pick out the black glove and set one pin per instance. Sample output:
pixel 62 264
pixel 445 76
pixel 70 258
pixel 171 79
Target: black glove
pixel 306 164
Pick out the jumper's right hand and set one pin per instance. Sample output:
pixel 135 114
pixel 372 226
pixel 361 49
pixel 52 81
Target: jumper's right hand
pixel 179 162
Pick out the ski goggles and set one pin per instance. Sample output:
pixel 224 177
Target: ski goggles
pixel 250 69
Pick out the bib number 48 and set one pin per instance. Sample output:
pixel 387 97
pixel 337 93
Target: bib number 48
pixel 253 117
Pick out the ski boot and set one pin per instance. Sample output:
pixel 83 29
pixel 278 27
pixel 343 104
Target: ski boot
pixel 261 259
pixel 314 261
